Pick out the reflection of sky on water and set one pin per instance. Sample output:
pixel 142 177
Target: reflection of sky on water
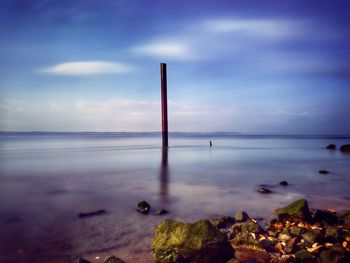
pixel 46 183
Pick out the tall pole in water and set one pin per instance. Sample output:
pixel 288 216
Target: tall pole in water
pixel 164 104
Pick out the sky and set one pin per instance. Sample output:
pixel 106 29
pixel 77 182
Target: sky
pixel 247 66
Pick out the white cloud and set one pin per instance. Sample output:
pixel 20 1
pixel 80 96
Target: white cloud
pixel 87 68
pixel 271 28
pixel 166 49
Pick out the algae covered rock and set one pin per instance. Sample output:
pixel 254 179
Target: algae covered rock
pixel 296 210
pixel 174 241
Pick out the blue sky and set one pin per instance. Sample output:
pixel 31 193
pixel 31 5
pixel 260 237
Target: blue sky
pixel 242 66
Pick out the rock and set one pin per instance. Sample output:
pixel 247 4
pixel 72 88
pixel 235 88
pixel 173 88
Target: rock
pixel 267 244
pixel 297 210
pixel 325 216
pixel 284 183
pixel 345 148
pixel 264 190
pixel 112 259
pixel 143 207
pixel 323 172
pixel 222 222
pixel 344 217
pixel 334 255
pixel 161 212
pixel 252 227
pixel 246 234
pixel 296 231
pixel 174 241
pixel 241 216
pixel 82 260
pixel 251 254
pixel 304 256
pixel 331 146
pixel 94 213
pixel 332 234
pixel 233 260
pixel 311 237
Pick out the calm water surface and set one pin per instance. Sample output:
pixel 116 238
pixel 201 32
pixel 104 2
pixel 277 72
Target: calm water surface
pixel 47 179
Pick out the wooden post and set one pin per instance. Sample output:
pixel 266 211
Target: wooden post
pixel 164 104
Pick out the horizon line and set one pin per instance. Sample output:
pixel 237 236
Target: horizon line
pixel 174 132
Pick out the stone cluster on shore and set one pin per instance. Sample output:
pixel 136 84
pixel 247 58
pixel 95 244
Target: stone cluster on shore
pixel 295 235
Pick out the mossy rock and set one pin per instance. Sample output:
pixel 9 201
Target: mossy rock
pixel 252 227
pixel 222 221
pixel 174 241
pixel 304 256
pixel 241 216
pixel 296 231
pixel 297 210
pixel 334 255
pixel 332 234
pixel 312 237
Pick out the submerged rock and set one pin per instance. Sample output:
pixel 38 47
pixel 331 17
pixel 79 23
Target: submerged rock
pixel 345 148
pixel 174 241
pixel 296 210
pixel 161 212
pixel 82 260
pixel 94 213
pixel 112 259
pixel 331 146
pixel 143 207
pixel 323 172
pixel 284 183
pixel 264 190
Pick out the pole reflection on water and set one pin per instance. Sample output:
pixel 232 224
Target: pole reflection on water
pixel 164 176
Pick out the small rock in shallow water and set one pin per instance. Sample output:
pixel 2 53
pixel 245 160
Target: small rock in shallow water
pixel 112 259
pixel 323 172
pixel 264 190
pixel 331 146
pixel 345 148
pixel 284 183
pixel 143 207
pixel 94 213
pixel 81 260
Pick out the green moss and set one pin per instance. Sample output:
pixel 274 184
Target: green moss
pixel 298 209
pixel 175 241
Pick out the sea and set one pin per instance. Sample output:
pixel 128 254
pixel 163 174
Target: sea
pixel 47 179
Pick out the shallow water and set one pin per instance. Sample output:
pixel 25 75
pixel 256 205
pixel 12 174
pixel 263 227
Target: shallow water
pixel 47 179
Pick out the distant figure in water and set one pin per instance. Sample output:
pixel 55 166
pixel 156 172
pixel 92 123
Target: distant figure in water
pixel 210 144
